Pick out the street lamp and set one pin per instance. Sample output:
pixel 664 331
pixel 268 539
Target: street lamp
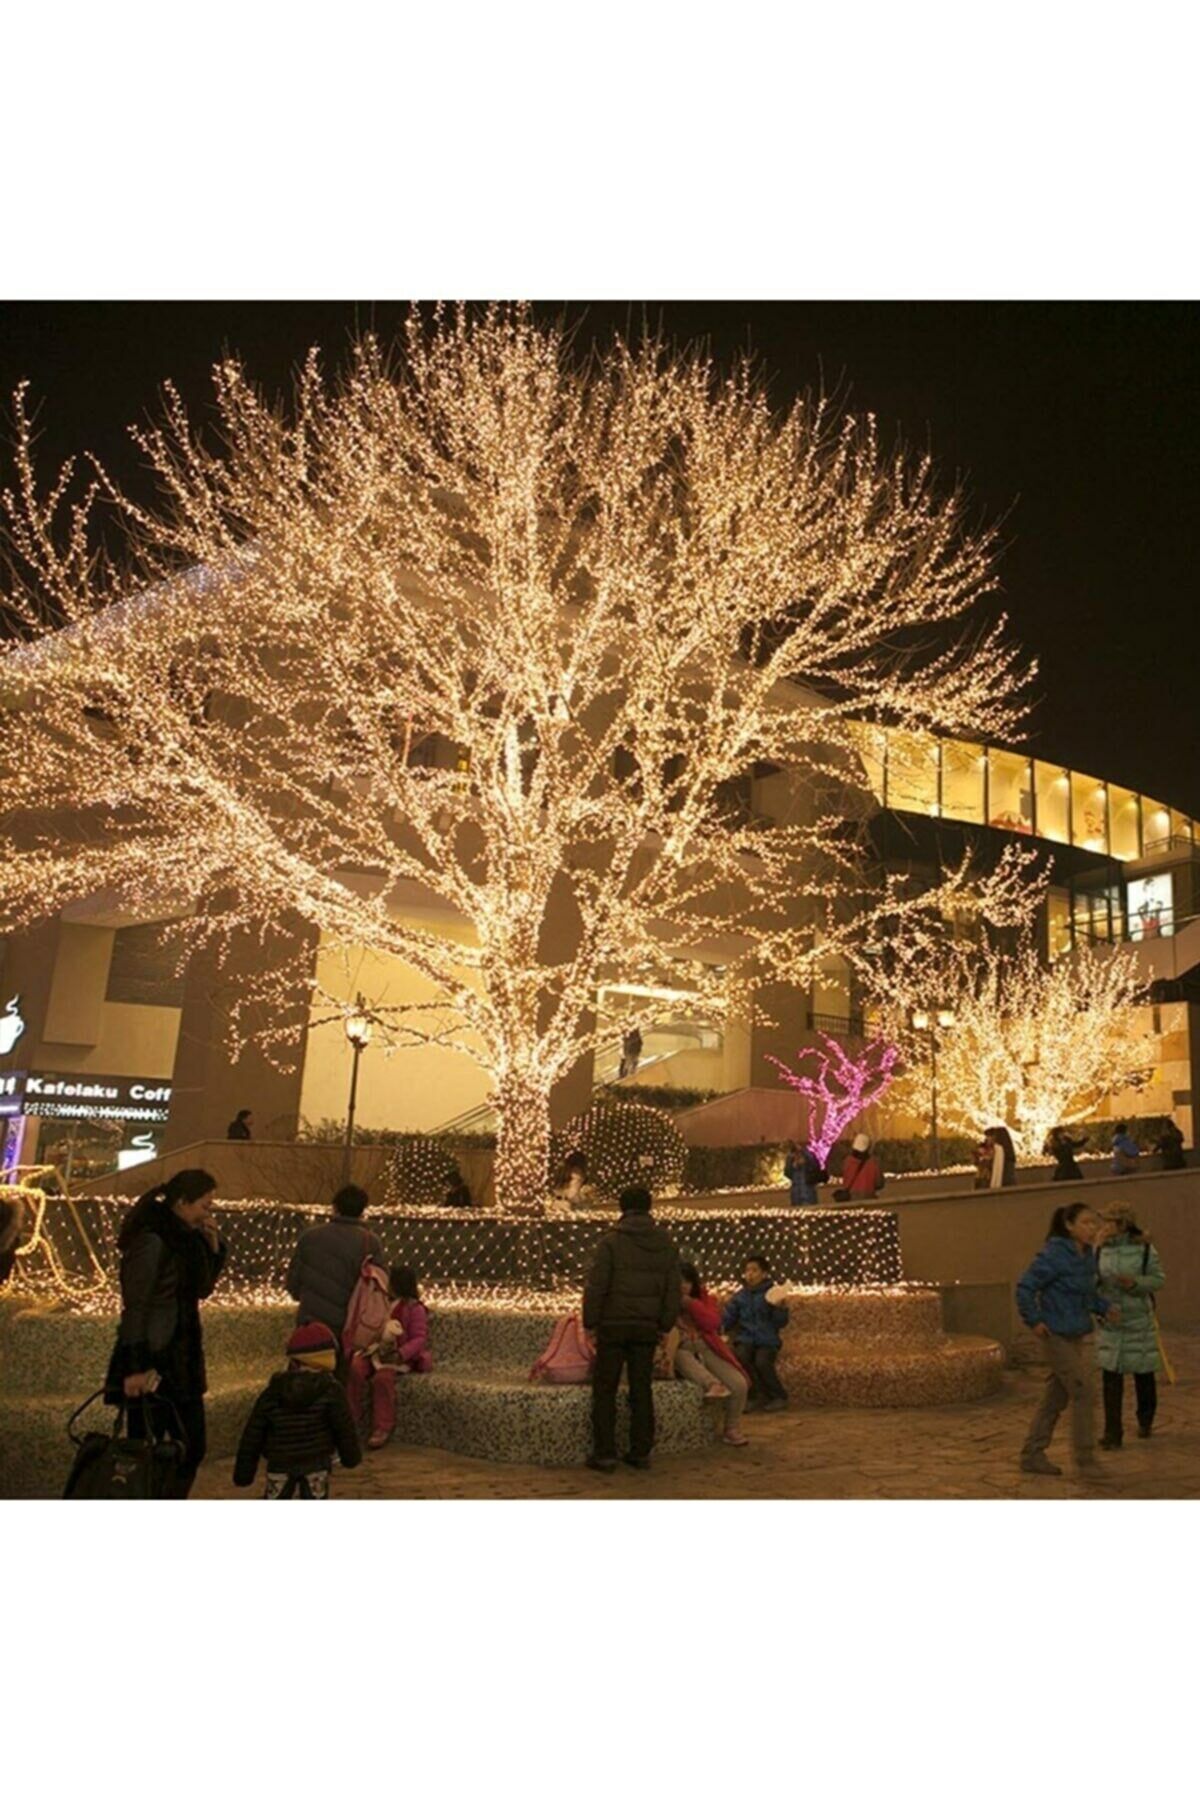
pixel 928 1022
pixel 358 1025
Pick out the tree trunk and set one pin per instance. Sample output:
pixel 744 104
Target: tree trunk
pixel 522 1144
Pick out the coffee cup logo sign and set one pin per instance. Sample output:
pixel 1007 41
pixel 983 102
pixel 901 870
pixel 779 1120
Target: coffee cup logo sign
pixel 12 1025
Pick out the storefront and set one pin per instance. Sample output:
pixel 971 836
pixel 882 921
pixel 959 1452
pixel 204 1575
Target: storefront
pixel 86 1125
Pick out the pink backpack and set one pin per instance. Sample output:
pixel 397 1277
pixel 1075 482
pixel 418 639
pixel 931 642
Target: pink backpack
pixel 568 1357
pixel 369 1310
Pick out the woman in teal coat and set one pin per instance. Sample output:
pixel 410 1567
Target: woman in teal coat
pixel 1129 1274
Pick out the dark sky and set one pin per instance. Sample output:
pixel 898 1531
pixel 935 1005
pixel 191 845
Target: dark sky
pixel 1076 423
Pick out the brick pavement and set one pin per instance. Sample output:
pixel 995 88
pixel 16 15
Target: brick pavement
pixel 943 1453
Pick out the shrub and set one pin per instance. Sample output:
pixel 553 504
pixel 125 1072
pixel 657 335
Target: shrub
pixel 667 1099
pixel 626 1146
pixel 710 1167
pixel 419 1171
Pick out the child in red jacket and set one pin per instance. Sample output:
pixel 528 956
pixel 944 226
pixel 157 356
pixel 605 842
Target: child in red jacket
pixel 704 1357
pixel 402 1350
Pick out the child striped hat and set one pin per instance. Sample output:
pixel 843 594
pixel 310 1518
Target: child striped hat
pixel 313 1345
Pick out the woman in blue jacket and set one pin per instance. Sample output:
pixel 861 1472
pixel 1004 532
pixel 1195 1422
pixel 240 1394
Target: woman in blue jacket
pixel 1058 1299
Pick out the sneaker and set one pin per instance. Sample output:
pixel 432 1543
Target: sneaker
pixel 378 1439
pixel 775 1406
pixel 716 1392
pixel 1038 1463
pixel 636 1462
pixel 603 1465
pixel 1110 1443
pixel 738 1438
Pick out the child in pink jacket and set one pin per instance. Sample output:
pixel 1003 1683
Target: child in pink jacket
pixel 402 1350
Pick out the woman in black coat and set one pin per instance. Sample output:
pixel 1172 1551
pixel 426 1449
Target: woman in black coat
pixel 171 1256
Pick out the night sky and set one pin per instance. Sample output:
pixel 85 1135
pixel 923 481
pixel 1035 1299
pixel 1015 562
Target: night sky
pixel 1077 424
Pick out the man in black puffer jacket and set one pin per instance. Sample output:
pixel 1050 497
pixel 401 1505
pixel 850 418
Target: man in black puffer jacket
pixel 631 1297
pixel 328 1259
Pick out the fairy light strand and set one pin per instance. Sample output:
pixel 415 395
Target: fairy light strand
pixel 484 632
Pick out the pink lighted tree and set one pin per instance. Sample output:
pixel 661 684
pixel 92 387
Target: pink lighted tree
pixel 839 1084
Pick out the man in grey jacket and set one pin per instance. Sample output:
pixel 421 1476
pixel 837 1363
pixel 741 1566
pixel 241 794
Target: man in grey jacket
pixel 631 1297
pixel 327 1260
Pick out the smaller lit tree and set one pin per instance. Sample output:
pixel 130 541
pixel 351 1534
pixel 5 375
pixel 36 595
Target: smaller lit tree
pixel 839 1084
pixel 1035 1045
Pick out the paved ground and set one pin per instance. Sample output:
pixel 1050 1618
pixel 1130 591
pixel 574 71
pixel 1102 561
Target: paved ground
pixel 940 1453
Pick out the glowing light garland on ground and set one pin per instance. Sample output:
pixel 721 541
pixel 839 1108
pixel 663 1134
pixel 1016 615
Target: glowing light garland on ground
pixel 572 578
pixel 839 1085
pixel 1033 1046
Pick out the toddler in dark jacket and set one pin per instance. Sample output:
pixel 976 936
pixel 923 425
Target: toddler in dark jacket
pixel 299 1421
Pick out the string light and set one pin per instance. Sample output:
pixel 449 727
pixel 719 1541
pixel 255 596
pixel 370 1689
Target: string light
pixel 588 591
pixel 839 1084
pixel 1035 1045
pixel 626 1145
pixel 495 1259
pixel 419 1172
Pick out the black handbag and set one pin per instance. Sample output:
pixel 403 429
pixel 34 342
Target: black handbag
pixel 109 1465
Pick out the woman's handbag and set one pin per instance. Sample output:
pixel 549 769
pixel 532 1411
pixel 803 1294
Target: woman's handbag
pixel 110 1466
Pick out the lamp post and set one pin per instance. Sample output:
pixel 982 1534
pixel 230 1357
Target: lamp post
pixel 358 1032
pixel 928 1023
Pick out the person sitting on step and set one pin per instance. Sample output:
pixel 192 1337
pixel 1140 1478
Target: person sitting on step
pixel 753 1320
pixel 403 1350
pixel 703 1356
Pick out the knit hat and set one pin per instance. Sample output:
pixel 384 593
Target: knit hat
pixel 1119 1212
pixel 313 1346
pixel 862 1144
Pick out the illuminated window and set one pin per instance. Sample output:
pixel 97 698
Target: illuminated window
pixel 1010 791
pixel 1053 790
pixel 1089 813
pixel 1058 922
pixel 1181 827
pixel 872 752
pixel 963 768
pixel 912 772
pixel 1123 817
pixel 1151 914
pixel 1156 827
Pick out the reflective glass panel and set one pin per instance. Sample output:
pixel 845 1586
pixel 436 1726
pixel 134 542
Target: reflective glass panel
pixel 1089 813
pixel 1124 815
pixel 1053 793
pixel 1010 790
pixel 963 767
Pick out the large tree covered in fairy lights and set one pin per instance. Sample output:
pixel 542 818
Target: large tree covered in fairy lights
pixel 1033 1044
pixel 592 582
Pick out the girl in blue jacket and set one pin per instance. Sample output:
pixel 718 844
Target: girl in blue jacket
pixel 1058 1299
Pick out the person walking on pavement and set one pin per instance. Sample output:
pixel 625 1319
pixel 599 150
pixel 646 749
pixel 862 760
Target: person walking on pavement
pixel 171 1257
pixel 1058 1299
pixel 631 1299
pixel 1130 1274
pixel 328 1260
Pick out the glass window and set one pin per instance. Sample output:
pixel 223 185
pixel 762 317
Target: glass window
pixel 871 742
pixel 1156 827
pixel 912 772
pixel 1181 827
pixel 1053 791
pixel 1058 922
pixel 1124 814
pixel 1091 918
pixel 963 768
pixel 1089 813
pixel 1010 791
pixel 1150 912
